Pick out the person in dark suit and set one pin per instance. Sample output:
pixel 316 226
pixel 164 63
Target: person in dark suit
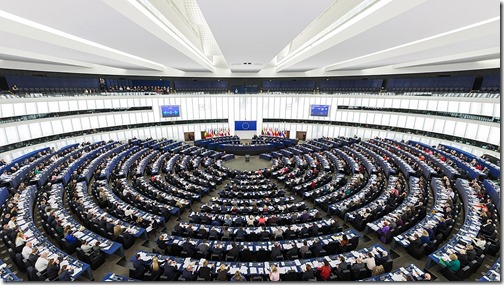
pixel 170 270
pixel 342 266
pixel 139 264
pixel 276 251
pixel 293 251
pixel 188 273
pixel 33 256
pixel 415 242
pixel 102 223
pixel 308 273
pixel 463 258
pixel 303 232
pixel 217 249
pixel 190 231
pixel 188 247
pixel 214 234
pixel 382 258
pixel 240 233
pixel 235 251
pixel 471 253
pixel 204 247
pixel 288 232
pixel 488 229
pixel 317 247
pixel 205 271
pixel 358 265
pixel 65 273
pixel 314 230
pixel 161 243
pixel 53 269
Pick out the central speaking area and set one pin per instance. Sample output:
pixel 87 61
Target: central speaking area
pixel 255 163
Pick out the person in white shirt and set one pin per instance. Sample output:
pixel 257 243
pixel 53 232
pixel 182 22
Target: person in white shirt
pixel 6 176
pixel 128 212
pixel 42 262
pixel 20 239
pixel 27 249
pixel 370 261
pixel 480 242
pixel 12 223
pixel 87 248
pixel 278 233
pixel 250 220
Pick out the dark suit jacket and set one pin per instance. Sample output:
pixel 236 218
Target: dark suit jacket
pixel 139 265
pixel 235 251
pixel 33 258
pixel 357 266
pixel 342 266
pixel 52 271
pixel 188 247
pixel 205 272
pixel 275 251
pixel 307 275
pixel 170 271
pixel 187 275
pixel 65 275
pixel 415 243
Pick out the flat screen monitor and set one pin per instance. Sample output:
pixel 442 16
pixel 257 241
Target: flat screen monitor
pixel 170 111
pixel 319 110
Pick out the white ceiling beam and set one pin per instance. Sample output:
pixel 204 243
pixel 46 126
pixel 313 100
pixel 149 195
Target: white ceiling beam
pixel 155 23
pixel 20 26
pixel 43 57
pixel 370 17
pixel 473 31
pixel 490 52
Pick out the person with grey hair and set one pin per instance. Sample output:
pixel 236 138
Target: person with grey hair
pixel 42 262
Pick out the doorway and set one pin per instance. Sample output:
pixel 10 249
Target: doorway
pixel 189 136
pixel 301 136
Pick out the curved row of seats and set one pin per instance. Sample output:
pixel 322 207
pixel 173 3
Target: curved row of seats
pixel 411 210
pixel 172 267
pixel 438 223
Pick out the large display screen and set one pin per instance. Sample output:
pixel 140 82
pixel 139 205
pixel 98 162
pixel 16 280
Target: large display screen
pixel 170 111
pixel 319 110
pixel 245 125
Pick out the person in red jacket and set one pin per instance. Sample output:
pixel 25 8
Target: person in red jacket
pixel 325 271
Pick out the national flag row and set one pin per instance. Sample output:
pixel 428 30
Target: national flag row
pixel 274 132
pixel 212 133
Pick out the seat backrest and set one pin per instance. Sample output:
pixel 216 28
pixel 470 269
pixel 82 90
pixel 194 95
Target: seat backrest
pixel 32 274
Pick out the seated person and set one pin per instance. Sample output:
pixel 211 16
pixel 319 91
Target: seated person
pixel 65 273
pixel 480 242
pixel 42 262
pixel 453 264
pixel 27 249
pixel 425 238
pixel 308 273
pixel 370 261
pixel 325 271
pixel 154 268
pixel 205 271
pixel 86 247
pixel 139 265
pixel 188 273
pixel 53 269
pixel 70 238
pixel 415 241
pixel 170 270
pixel 238 277
pixel 222 273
